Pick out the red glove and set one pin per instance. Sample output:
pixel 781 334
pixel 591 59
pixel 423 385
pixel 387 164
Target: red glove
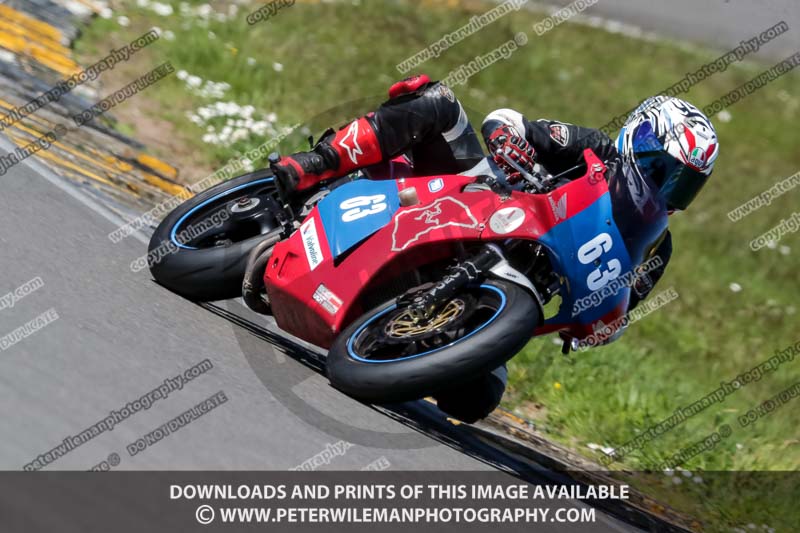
pixel 507 141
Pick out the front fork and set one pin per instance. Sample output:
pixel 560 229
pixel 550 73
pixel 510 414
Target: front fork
pixel 488 261
pixel 423 305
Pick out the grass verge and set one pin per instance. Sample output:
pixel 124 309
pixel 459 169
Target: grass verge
pixel 736 307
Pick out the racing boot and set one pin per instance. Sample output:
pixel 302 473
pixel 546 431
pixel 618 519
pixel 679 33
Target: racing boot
pixel 474 399
pixel 353 147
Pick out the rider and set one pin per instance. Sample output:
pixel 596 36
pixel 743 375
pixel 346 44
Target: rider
pixel 667 145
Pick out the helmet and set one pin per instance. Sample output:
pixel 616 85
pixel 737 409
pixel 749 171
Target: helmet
pixel 673 144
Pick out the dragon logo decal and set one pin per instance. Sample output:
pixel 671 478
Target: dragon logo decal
pixel 447 212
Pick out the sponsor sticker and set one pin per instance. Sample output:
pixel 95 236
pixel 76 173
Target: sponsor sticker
pixel 698 157
pixel 559 208
pixel 327 299
pixel 308 232
pixel 436 185
pixel 559 133
pixel 507 220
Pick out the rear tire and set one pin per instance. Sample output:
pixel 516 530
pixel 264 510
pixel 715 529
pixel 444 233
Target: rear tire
pixel 211 273
pixel 420 375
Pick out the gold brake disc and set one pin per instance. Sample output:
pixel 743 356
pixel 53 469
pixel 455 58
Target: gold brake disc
pixel 403 325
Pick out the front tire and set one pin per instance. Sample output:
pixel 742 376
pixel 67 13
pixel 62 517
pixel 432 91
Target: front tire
pixel 502 320
pixel 212 266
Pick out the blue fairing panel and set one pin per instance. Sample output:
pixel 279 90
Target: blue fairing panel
pixel 595 224
pixel 356 210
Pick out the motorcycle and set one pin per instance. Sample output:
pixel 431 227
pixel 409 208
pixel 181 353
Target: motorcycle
pixel 411 283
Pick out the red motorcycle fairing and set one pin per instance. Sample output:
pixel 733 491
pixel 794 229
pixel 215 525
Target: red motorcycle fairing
pixel 314 295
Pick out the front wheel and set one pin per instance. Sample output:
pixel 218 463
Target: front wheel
pixel 385 356
pixel 200 249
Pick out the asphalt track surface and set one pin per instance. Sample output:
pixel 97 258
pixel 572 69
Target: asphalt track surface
pixel 720 24
pixel 118 335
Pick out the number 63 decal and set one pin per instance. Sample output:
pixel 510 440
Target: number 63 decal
pixel 362 206
pixel 591 252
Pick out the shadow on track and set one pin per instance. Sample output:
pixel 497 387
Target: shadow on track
pixel 480 442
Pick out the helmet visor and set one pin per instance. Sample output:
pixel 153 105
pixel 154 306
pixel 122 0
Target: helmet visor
pixel 677 182
pixel 682 186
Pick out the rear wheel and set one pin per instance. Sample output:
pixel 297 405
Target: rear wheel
pixel 200 249
pixel 385 356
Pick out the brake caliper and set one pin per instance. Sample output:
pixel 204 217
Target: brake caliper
pixel 424 304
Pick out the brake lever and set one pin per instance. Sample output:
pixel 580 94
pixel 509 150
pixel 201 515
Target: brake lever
pixel 540 184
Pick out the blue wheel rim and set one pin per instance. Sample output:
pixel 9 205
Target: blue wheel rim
pixel 174 231
pixel 355 335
